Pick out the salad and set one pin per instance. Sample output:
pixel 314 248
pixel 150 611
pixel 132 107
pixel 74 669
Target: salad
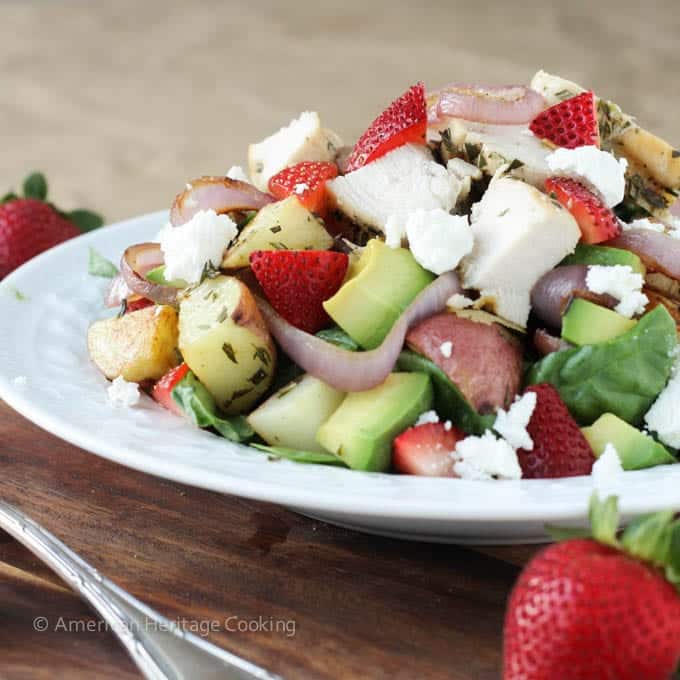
pixel 486 285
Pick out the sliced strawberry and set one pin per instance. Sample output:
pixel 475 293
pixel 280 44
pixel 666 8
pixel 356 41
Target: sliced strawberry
pixel 425 450
pixel 560 449
pixel 162 390
pixel 403 121
pixel 596 221
pixel 298 282
pixel 307 181
pixel 137 303
pixel 570 123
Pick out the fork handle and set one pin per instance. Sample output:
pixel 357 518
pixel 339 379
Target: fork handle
pixel 161 650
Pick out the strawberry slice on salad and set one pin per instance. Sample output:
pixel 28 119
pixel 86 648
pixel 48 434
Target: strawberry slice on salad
pixel 403 121
pixel 571 123
pixel 596 221
pixel 560 449
pixel 298 282
pixel 307 181
pixel 426 449
pixel 162 390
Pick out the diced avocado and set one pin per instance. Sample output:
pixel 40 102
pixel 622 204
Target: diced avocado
pixel 636 450
pixel 361 431
pixel 606 256
pixel 382 284
pixel 291 417
pixel 157 275
pixel 586 323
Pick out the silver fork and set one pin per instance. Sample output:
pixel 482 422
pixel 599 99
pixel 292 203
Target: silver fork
pixel 161 650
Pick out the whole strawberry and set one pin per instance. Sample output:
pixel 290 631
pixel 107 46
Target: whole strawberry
pixel 599 607
pixel 30 225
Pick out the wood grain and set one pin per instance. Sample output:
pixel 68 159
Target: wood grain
pixel 361 606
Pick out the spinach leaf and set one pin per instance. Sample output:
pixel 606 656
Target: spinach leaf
pixel 336 336
pixel 448 399
pixel 98 265
pixel 622 376
pixel 201 408
pixel 300 456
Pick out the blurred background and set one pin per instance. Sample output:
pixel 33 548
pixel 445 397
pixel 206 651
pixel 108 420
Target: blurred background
pixel 121 102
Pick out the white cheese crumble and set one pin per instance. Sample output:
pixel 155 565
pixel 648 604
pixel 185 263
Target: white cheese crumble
pixel 21 381
pixel 395 231
pixel 238 173
pixel 448 425
pixel 300 188
pixel 643 223
pixel 458 301
pixel 446 349
pixel 485 457
pixel 662 417
pixel 599 170
pixel 607 467
pixel 438 240
pixel 427 418
pixel 512 424
pixel 621 282
pixel 202 240
pixel 123 393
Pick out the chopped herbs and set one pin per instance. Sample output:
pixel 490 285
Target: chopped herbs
pixel 276 229
pixel 209 272
pixel 224 313
pixel 262 354
pixel 18 294
pixel 97 265
pixel 515 165
pixel 503 213
pixel 564 94
pixel 258 376
pixel 278 246
pixel 228 349
pixel 241 393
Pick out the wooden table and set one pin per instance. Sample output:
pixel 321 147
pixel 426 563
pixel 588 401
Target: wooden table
pixel 322 602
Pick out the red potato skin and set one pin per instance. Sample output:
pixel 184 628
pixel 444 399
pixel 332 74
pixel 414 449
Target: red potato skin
pixel 485 363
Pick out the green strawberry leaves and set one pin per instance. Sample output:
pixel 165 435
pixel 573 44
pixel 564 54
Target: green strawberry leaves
pixel 653 538
pixel 35 187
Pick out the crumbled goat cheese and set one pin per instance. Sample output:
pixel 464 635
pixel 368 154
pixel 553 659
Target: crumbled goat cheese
pixel 642 224
pixel 621 282
pixel 300 188
pixel 123 393
pixel 446 348
pixel 190 247
pixel 662 417
pixel 485 457
pixel 512 424
pixel 599 170
pixel 237 172
pixel 607 467
pixel 427 417
pixel 448 425
pixel 438 240
pixel 21 381
pixel 458 301
pixel 395 231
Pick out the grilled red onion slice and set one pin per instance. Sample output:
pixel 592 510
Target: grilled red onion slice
pixel 545 343
pixel 220 194
pixel 136 262
pixel 553 292
pixel 500 104
pixel 659 252
pixel 358 371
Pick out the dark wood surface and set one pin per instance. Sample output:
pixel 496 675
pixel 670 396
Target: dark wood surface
pixel 348 605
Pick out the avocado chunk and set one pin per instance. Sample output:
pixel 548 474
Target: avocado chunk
pixel 586 323
pixel 636 449
pixel 381 285
pixel 291 417
pixel 606 256
pixel 361 431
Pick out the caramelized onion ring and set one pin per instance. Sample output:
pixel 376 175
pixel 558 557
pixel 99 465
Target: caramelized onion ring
pixel 136 262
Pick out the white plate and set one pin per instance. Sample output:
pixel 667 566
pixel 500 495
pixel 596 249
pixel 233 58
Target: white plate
pixel 43 338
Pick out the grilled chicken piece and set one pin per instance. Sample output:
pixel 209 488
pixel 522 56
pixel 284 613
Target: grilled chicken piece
pixel 397 184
